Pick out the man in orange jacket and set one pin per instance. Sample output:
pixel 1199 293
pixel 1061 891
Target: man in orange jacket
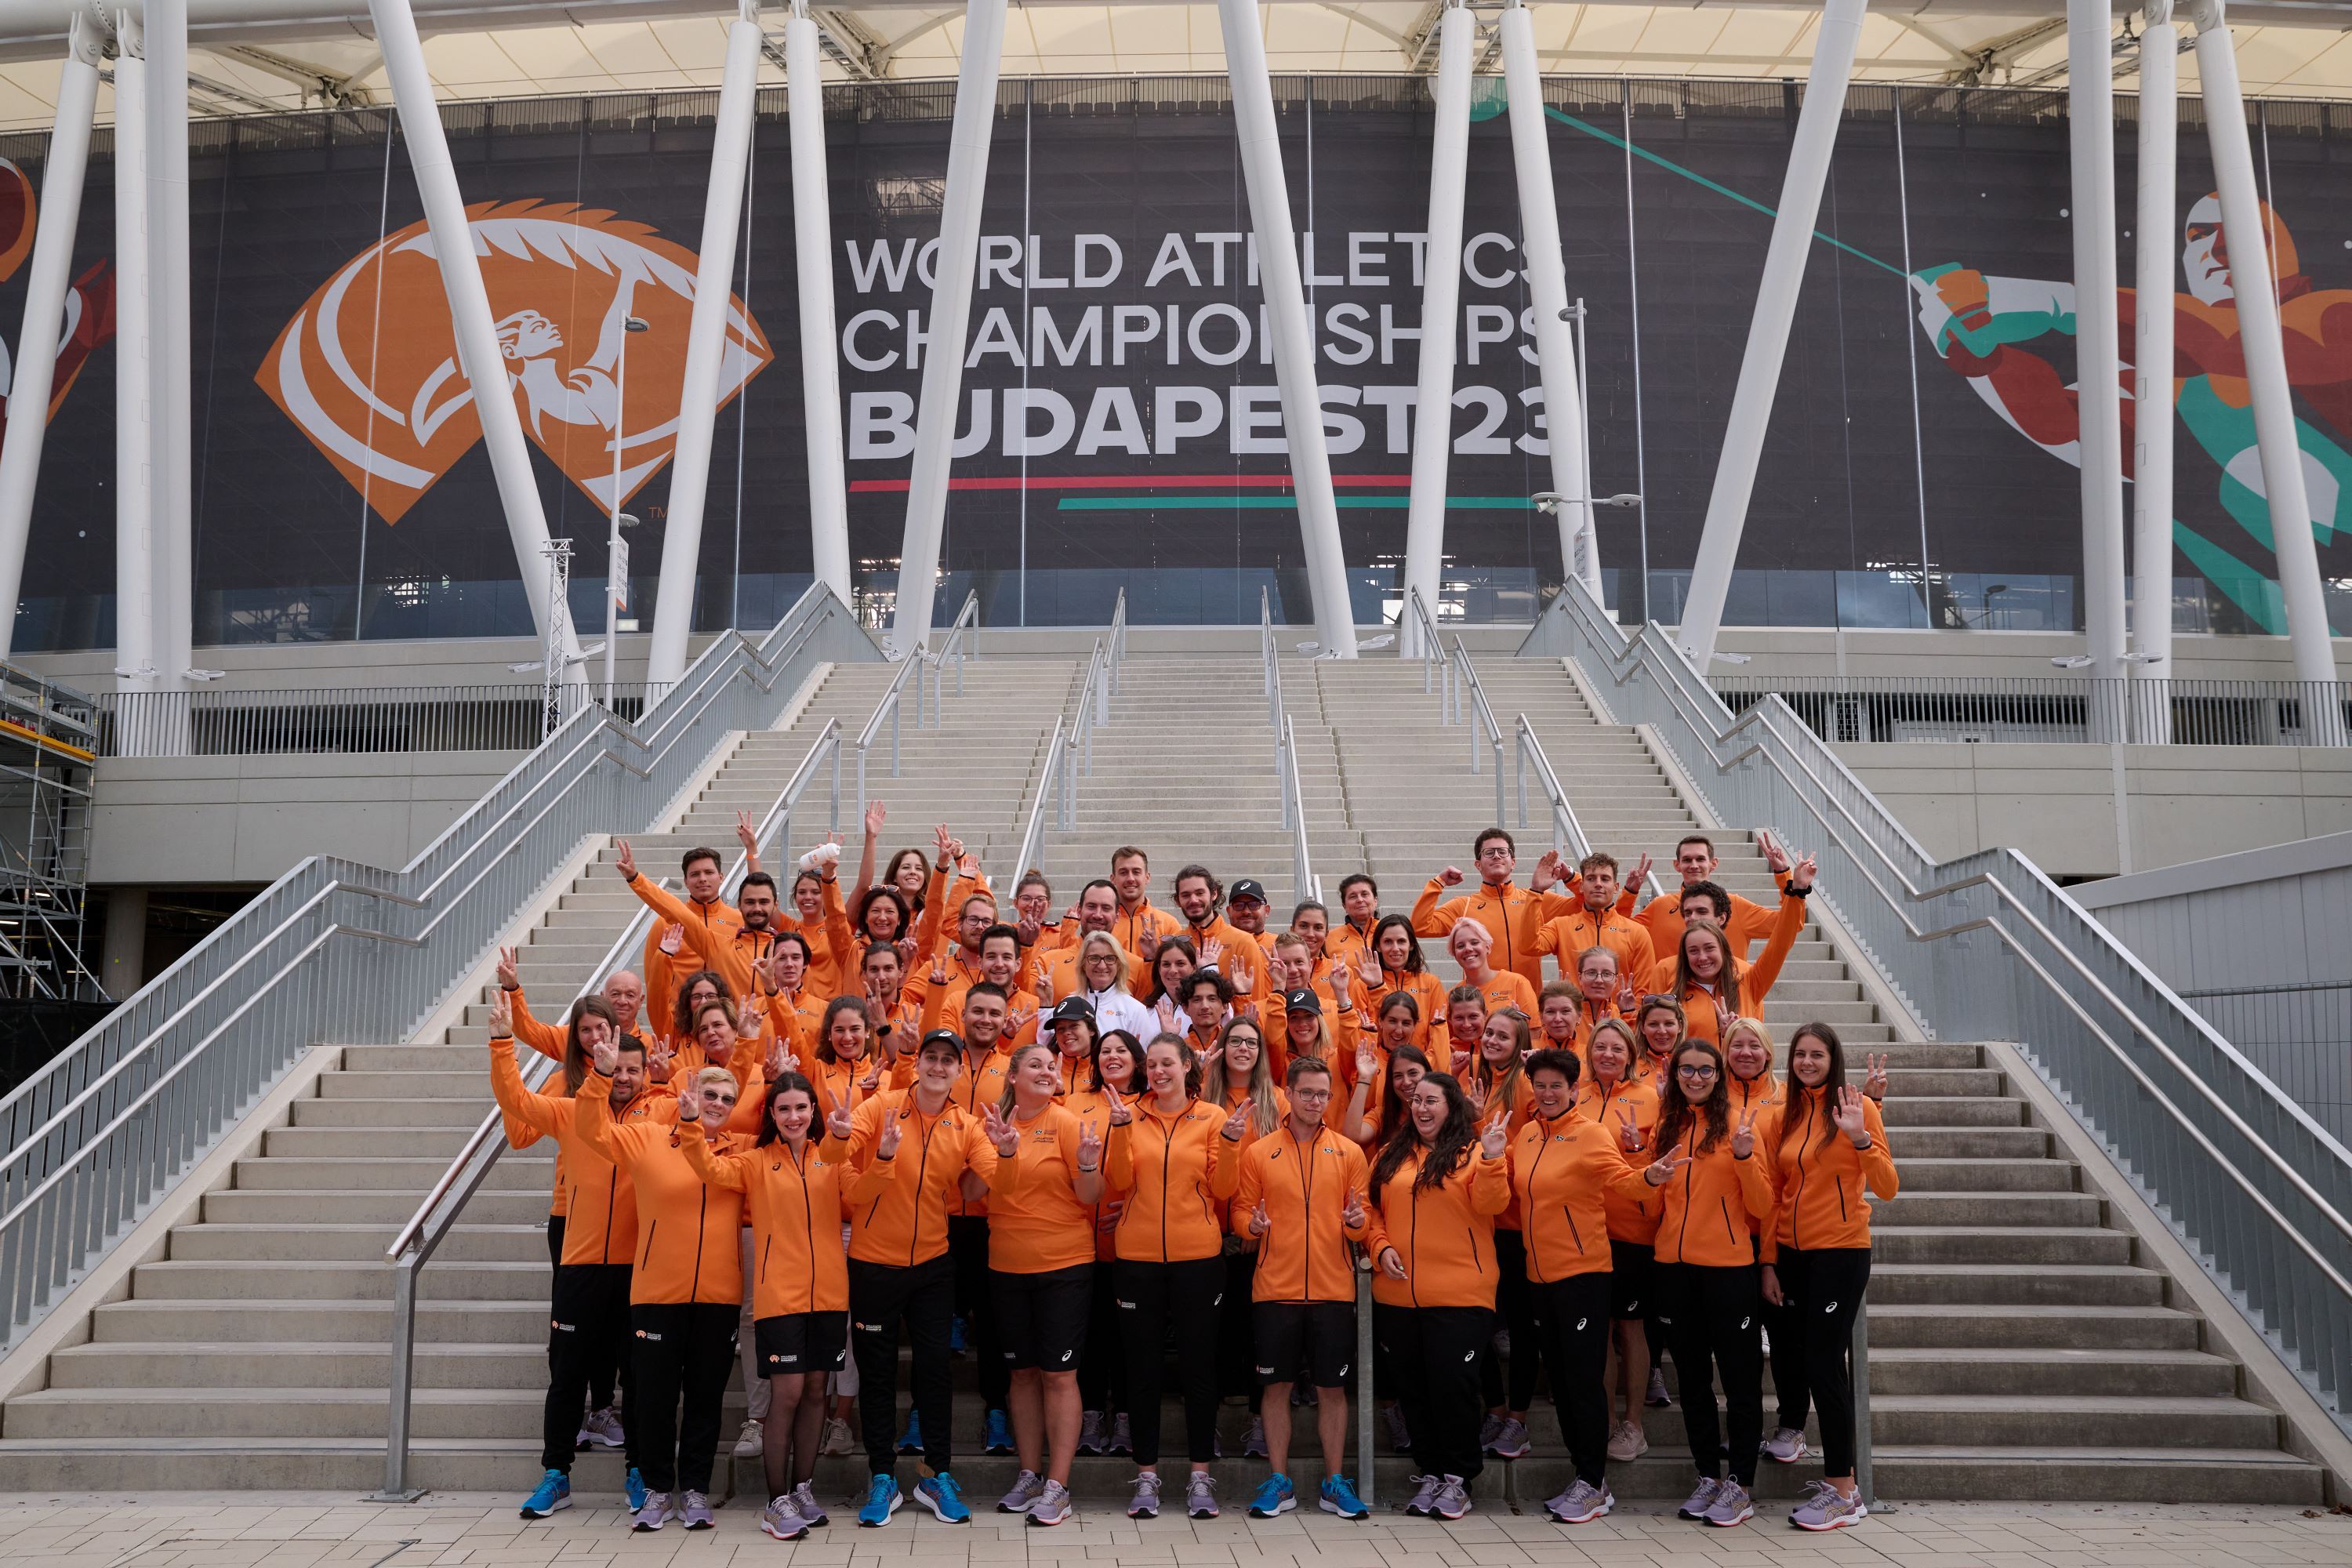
pixel 1130 875
pixel 1745 921
pixel 1512 915
pixel 1596 922
pixel 704 906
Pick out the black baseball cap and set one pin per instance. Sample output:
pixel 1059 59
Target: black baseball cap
pixel 1302 1001
pixel 1247 887
pixel 1072 1009
pixel 946 1037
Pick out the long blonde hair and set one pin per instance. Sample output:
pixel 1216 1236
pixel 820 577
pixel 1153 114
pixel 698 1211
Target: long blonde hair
pixel 1013 1070
pixel 1259 1090
pixel 1086 946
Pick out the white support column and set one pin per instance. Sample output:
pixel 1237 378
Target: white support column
pixel 1294 338
pixel 135 662
pixel 171 363
pixel 1441 300
pixel 951 323
pixel 1548 289
pixel 45 305
pixel 469 315
pixel 2251 285
pixel 706 351
pixel 2155 227
pixel 812 252
pixel 2091 140
pixel 1768 331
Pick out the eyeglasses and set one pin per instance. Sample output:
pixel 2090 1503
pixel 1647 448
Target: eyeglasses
pixel 1694 1070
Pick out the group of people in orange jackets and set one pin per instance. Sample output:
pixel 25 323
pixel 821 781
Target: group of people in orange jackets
pixel 1078 1141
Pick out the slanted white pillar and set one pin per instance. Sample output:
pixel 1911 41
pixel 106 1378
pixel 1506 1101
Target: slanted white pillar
pixel 469 316
pixel 1294 338
pixel 171 374
pixel 1440 301
pixel 1768 331
pixel 1547 290
pixel 44 304
pixel 951 322
pixel 134 524
pixel 2091 139
pixel 706 352
pixel 2153 230
pixel 2252 284
pixel 820 363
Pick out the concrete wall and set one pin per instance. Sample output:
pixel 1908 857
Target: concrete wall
pixel 160 821
pixel 1784 650
pixel 2057 804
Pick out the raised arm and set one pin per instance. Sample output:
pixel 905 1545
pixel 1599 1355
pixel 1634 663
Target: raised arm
pixel 725 1170
pixel 1767 969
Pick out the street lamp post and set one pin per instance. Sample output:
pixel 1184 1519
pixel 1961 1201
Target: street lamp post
pixel 615 575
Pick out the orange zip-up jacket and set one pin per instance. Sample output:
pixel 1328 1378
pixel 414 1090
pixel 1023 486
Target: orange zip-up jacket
pixel 829 942
pixel 662 972
pixel 547 1040
pixel 974 1089
pixel 1093 1110
pixel 1633 1212
pixel 1250 1135
pixel 1040 1225
pixel 1303 1257
pixel 1166 1169
pixel 1506 989
pixel 686 1243
pixel 1701 1007
pixel 1345 942
pixel 1522 1107
pixel 1571 934
pixel 1128 925
pixel 1514 915
pixel 906 1223
pixel 736 956
pixel 1715 1206
pixel 598 1196
pixel 797 1202
pixel 943 1009
pixel 1751 923
pixel 1757 1094
pixel 1428 991
pixel 1446 1235
pixel 1822 1174
pixel 1563 1172
pixel 1059 968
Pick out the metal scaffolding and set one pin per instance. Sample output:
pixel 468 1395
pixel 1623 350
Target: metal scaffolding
pixel 49 742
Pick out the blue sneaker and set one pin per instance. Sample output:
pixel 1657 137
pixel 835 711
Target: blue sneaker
pixel 910 1441
pixel 1339 1497
pixel 940 1494
pixel 1275 1496
pixel 882 1501
pixel 999 1433
pixel 554 1492
pixel 955 1335
pixel 636 1489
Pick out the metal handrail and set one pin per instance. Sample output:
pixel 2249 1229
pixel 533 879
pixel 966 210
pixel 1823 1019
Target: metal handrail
pixel 1117 649
pixel 92 1139
pixel 211 721
pixel 2246 1179
pixel 1077 753
pixel 1493 737
pixel 1567 833
pixel 1436 669
pixel 1265 653
pixel 418 1240
pixel 1033 831
pixel 963 642
pixel 1304 883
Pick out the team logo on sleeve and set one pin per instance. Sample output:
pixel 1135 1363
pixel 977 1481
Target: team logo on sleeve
pixel 368 367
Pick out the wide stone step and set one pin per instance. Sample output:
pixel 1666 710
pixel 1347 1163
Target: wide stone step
pixel 395 1175
pixel 2006 1244
pixel 1978 1329
pixel 1964 1210
pixel 337 1281
pixel 362 1206
pixel 403 1113
pixel 2068 1284
pixel 420 1085
pixel 334 1238
pixel 2006 1420
pixel 520 1321
pixel 1982 1110
pixel 2018 1144
pixel 202 1364
pixel 350 1143
pixel 2017 1371
pixel 1944 1177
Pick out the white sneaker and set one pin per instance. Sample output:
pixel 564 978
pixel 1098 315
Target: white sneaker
pixel 751 1442
pixel 837 1440
pixel 1628 1442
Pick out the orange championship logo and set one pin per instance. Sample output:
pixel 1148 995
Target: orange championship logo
pixel 368 367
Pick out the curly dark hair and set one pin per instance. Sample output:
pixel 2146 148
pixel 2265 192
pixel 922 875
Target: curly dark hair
pixel 1446 1151
pixel 1679 1114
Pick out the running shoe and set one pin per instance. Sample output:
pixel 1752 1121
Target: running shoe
pixel 1452 1499
pixel 940 1494
pixel 1200 1495
pixel 1399 1435
pixel 882 1499
pixel 1829 1509
pixel 837 1438
pixel 1027 1487
pixel 1122 1437
pixel 910 1441
pixel 1658 1398
pixel 1302 1394
pixel 1489 1430
pixel 1732 1506
pixel 1339 1497
pixel 1253 1440
pixel 1628 1442
pixel 1786 1445
pixel 804 1503
pixel 955 1335
pixel 1091 1435
pixel 1275 1496
pixel 750 1441
pixel 554 1492
pixel 1513 1441
pixel 1582 1503
pixel 782 1520
pixel 1702 1497
pixel 999 1437
pixel 602 1429
pixel 634 1484
pixel 1425 1494
pixel 696 1514
pixel 1052 1507
pixel 1145 1503
pixel 653 1515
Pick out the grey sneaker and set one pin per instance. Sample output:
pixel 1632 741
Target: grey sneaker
pixel 1701 1498
pixel 1122 1437
pixel 1200 1495
pixel 752 1441
pixel 1512 1442
pixel 1582 1503
pixel 1732 1506
pixel 696 1514
pixel 1026 1489
pixel 602 1429
pixel 1453 1500
pixel 1829 1509
pixel 1424 1495
pixel 1253 1440
pixel 782 1518
pixel 1091 1435
pixel 1145 1503
pixel 1489 1430
pixel 653 1515
pixel 1628 1442
pixel 1052 1505
pixel 805 1504
pixel 837 1440
pixel 1786 1445
pixel 1657 1398
pixel 1399 1435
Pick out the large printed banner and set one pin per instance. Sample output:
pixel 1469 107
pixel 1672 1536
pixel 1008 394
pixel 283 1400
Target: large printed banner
pixel 1119 419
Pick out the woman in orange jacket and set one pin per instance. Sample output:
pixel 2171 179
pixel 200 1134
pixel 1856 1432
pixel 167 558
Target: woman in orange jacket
pixel 1436 1188
pixel 1832 1145
pixel 1714 1178
pixel 1041 1265
pixel 1235 1072
pixel 1390 962
pixel 1747 1046
pixel 1565 1169
pixel 1168 1155
pixel 797 1191
pixel 1473 947
pixel 1715 984
pixel 1663 1027
pixel 686 1289
pixel 1499 1083
pixel 1627 1107
pixel 1113 1065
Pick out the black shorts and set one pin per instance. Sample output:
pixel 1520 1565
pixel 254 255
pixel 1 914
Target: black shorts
pixel 1628 1281
pixel 801 1342
pixel 1319 1336
pixel 1041 1319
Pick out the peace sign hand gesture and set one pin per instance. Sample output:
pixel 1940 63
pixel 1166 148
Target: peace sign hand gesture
pixel 1091 1148
pixel 1495 1137
pixel 658 1056
pixel 1238 1122
pixel 886 1146
pixel 1641 871
pixel 501 1017
pixel 1662 1170
pixel 1351 1213
pixel 605 1056
pixel 1121 1113
pixel 1629 1135
pixel 507 977
pixel 1340 983
pixel 747 833
pixel 1873 1083
pixel 1000 1133
pixel 624 859
pixel 939 965
pixel 1147 941
pixel 1259 1221
pixel 1743 1137
pixel 840 1124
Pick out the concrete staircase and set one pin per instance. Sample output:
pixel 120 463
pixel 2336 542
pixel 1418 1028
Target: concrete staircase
pixel 256 1352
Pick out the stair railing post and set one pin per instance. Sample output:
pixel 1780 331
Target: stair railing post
pixel 404 1363
pixel 1367 1397
pixel 833 811
pixel 896 710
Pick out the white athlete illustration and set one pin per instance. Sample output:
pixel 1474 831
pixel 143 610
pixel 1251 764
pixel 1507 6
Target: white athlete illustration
pixel 587 395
